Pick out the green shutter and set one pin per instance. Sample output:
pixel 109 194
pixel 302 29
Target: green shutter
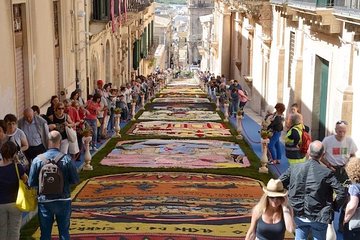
pixel 152 32
pixel 145 42
pixel 138 52
pixel 149 35
pixel 136 55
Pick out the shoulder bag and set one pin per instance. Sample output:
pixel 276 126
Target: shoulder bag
pixel 26 200
pixel 21 156
pixel 70 132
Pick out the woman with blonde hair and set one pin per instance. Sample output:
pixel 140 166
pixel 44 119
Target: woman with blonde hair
pixel 353 171
pixel 60 121
pixel 272 215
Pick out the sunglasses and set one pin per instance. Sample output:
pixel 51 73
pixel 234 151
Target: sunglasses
pixel 275 198
pixel 341 122
pixel 60 109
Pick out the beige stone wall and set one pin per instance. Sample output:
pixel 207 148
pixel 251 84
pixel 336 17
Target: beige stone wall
pixel 7 69
pixel 79 58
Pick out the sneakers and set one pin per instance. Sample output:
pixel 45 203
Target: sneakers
pixel 93 148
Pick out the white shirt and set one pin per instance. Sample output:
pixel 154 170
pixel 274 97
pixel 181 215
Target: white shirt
pixel 338 153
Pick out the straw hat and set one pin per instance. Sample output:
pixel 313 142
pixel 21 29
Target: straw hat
pixel 275 188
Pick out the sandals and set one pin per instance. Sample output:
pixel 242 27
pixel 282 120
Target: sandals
pixel 273 162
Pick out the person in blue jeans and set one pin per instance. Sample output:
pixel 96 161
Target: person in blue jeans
pixel 54 206
pixel 314 194
pixel 353 171
pixel 276 126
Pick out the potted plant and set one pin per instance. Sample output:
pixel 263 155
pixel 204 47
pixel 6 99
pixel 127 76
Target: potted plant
pixel 117 111
pixel 86 132
pixel 265 134
pixel 240 112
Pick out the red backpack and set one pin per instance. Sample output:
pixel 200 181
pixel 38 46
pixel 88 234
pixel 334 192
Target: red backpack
pixel 305 141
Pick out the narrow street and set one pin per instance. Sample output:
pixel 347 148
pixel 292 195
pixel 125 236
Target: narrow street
pixel 177 172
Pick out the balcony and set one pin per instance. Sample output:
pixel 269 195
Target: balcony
pixel 201 5
pixel 318 14
pixel 347 8
pixel 311 4
pixel 138 6
pixel 253 7
pixel 278 2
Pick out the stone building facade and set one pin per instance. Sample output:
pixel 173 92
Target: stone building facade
pixel 51 47
pixel 293 51
pixel 197 8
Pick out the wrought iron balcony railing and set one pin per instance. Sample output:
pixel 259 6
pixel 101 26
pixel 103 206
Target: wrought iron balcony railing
pixel 253 7
pixel 311 3
pixel 138 6
pixel 348 4
pixel 278 1
pixel 350 8
pixel 201 5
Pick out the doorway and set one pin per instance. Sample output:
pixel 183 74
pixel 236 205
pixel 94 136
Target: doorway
pixel 319 114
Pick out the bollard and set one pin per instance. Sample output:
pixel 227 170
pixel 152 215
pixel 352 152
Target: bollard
pixel 87 157
pixel 117 125
pixel 264 158
pixel 226 112
pixel 133 104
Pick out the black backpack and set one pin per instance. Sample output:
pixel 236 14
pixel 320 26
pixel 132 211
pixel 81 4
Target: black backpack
pixel 51 180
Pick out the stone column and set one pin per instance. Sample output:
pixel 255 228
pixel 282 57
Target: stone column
pixel 87 157
pixel 264 158
pixel 226 112
pixel 133 105
pixel 117 125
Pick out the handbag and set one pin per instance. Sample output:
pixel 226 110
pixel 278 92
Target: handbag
pixel 21 157
pixel 26 200
pixel 70 133
pixel 355 220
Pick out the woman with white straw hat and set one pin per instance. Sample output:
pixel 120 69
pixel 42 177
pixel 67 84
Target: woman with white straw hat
pixel 272 215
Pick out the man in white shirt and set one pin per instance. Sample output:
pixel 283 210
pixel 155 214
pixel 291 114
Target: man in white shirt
pixel 339 148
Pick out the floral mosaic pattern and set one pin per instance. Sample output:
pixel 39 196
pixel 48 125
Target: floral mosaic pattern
pixel 178 114
pixel 176 153
pixel 181 100
pixel 180 129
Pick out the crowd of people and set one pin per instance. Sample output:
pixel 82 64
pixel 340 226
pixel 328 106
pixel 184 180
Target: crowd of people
pixel 228 91
pixel 36 139
pixel 319 182
pixel 323 177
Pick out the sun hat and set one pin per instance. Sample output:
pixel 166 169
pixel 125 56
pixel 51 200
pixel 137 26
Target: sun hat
pixel 275 188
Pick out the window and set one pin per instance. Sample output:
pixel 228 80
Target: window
pixel 101 10
pixel 17 18
pixel 56 22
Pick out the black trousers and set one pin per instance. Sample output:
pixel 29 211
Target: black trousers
pixel 33 151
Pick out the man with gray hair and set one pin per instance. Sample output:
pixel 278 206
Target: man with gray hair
pixel 36 130
pixel 54 205
pixel 311 186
